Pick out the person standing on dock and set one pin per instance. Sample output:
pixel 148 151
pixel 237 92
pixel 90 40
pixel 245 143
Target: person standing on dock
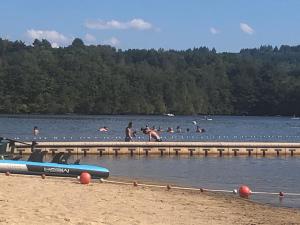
pixel 128 132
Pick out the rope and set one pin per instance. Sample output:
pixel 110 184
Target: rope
pixel 196 189
pixel 275 193
pixel 212 190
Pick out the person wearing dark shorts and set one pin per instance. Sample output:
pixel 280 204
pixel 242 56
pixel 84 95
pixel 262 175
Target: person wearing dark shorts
pixel 128 132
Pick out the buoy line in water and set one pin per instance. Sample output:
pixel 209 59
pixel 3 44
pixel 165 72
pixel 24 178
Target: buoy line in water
pixel 166 138
pixel 243 191
pixel 275 193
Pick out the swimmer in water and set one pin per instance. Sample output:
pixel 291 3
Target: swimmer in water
pixel 103 129
pixel 170 130
pixel 36 131
pixel 200 130
pixel 160 129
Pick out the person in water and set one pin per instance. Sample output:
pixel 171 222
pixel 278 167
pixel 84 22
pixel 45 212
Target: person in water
pixel 200 130
pixel 103 129
pixel 128 132
pixel 152 134
pixel 178 129
pixel 170 130
pixel 36 131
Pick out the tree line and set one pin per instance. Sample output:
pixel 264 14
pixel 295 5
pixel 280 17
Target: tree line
pixel 100 79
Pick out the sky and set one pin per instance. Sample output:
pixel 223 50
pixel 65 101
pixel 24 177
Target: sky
pixel 226 25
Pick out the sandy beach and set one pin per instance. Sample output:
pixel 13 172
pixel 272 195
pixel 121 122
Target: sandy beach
pixel 32 200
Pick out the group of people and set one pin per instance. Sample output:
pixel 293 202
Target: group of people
pixel 153 133
pixel 178 130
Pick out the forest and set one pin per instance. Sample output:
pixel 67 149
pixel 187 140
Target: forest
pixel 100 79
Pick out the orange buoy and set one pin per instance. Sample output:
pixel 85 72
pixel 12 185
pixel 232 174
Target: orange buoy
pixel 7 173
pixel 244 191
pixel 43 176
pixel 85 178
pixel 135 184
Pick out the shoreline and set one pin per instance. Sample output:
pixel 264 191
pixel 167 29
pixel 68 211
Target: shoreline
pixel 197 190
pixel 31 200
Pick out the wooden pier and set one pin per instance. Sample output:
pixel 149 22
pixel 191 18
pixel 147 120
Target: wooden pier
pixel 167 148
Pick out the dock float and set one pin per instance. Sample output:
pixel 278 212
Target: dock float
pixel 167 148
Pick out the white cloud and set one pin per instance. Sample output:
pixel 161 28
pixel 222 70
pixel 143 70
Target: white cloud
pixel 246 28
pixel 214 30
pixel 55 38
pixel 112 41
pixel 90 38
pixel 138 24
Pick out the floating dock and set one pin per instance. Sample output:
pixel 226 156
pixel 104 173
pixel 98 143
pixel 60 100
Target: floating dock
pixel 167 148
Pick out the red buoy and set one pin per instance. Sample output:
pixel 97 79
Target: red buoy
pixel 85 178
pixel 244 191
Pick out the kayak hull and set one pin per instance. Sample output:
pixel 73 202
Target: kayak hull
pixel 51 169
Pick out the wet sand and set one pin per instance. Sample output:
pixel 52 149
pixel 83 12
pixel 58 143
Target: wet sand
pixel 32 200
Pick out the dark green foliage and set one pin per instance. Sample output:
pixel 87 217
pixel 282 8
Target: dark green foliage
pixel 103 80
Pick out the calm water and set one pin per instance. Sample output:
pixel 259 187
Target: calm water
pixel 260 174
pixel 221 128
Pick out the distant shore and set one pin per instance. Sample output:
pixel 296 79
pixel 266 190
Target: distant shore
pixel 32 200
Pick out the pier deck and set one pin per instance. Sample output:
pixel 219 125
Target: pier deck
pixel 168 148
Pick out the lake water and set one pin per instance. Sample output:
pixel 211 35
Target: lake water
pixel 260 174
pixel 83 128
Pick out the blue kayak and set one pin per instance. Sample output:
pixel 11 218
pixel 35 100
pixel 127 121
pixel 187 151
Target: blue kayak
pixel 52 169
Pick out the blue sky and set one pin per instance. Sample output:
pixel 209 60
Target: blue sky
pixel 227 25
